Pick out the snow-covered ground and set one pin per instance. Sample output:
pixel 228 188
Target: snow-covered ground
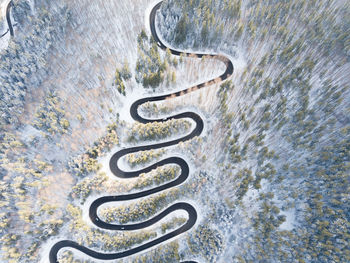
pixel 102 35
pixel 290 215
pixel 202 71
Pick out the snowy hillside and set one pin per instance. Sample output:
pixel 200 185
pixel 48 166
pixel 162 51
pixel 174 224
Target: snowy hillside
pixel 268 175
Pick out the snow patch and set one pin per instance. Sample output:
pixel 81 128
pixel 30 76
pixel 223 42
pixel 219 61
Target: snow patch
pixel 290 219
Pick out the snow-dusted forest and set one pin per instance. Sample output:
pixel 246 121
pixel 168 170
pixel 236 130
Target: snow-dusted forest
pixel 269 175
pixel 285 121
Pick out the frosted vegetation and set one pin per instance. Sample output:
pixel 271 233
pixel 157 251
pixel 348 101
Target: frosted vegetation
pixel 50 116
pixel 270 178
pixel 285 120
pixel 152 67
pixel 139 158
pixel 157 130
pixel 23 63
pixel 122 75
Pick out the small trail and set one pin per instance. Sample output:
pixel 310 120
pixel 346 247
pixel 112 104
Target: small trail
pixel 192 214
pixel 8 19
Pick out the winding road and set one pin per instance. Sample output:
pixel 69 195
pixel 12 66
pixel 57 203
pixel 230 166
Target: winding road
pixel 8 19
pixel 192 214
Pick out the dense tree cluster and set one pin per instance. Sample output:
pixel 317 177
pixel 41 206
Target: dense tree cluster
pixel 151 66
pixel 103 240
pixel 172 224
pixel 158 130
pixel 157 177
pixel 211 23
pixel 121 75
pixel 168 252
pixel 140 211
pixel 68 257
pixel 150 109
pixel 206 242
pixel 283 116
pixel 25 219
pixel 24 177
pixel 135 159
pixel 83 188
pixel 50 116
pixel 24 61
pixel 22 181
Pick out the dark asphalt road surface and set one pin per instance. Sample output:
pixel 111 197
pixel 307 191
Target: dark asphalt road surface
pixel 8 19
pixel 192 214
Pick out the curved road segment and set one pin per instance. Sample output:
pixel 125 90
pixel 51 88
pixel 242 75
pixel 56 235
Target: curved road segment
pixel 192 214
pixel 8 19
